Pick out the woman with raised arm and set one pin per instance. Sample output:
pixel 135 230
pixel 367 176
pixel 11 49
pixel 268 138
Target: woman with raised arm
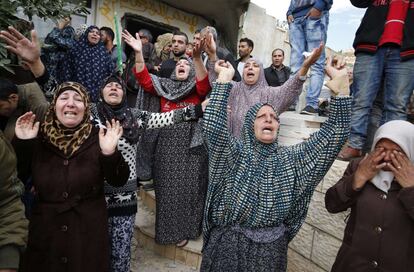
pixel 253 87
pixel 112 105
pixel 180 166
pixel 259 192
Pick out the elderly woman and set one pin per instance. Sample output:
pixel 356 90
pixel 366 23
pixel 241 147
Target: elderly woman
pixel 112 105
pixel 379 190
pixel 163 47
pixel 88 62
pixel 258 193
pixel 180 167
pixel 253 87
pixel 69 162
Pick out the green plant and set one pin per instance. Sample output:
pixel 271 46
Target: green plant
pixel 44 9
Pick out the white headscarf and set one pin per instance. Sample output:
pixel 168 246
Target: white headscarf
pixel 401 133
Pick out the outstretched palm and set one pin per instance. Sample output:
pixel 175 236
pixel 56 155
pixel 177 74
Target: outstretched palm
pixel 26 128
pixel 135 43
pixel 26 49
pixel 108 139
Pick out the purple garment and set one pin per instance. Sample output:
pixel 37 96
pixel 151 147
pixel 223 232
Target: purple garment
pixel 243 97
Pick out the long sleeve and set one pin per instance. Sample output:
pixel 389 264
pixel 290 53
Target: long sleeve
pixel 219 141
pixel 114 168
pixel 341 196
pixel 203 87
pixel 283 96
pixel 154 120
pixel 406 196
pixel 144 79
pixel 63 38
pixel 313 158
pixel 48 85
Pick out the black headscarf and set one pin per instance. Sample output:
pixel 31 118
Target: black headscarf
pixel 121 112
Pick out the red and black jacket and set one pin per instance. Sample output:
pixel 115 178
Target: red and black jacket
pixel 370 31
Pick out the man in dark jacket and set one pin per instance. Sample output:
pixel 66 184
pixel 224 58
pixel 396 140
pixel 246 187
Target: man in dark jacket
pixel 277 73
pixel 384 46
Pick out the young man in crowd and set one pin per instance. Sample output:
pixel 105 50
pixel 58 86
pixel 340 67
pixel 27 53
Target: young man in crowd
pixel 277 73
pixel 245 49
pixel 107 37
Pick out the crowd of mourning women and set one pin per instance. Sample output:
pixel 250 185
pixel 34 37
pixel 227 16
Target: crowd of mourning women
pixel 76 143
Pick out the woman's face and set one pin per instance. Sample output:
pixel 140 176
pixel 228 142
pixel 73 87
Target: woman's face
pixel 94 36
pixel 70 108
pixel 388 147
pixel 112 93
pixel 251 72
pixel 266 125
pixel 167 48
pixel 182 69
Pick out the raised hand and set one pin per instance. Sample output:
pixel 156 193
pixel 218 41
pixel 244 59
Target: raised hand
pixel 336 68
pixel 224 70
pixel 135 43
pixel 368 168
pixel 402 168
pixel 27 50
pixel 108 139
pixel 210 45
pixel 26 128
pixel 314 56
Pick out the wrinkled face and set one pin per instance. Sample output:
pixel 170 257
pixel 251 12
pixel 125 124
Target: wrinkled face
pixel 94 36
pixel 112 93
pixel 251 72
pixel 196 39
pixel 244 49
pixel 182 69
pixel 70 108
pixel 388 147
pixel 179 45
pixel 277 58
pixel 266 125
pixel 7 107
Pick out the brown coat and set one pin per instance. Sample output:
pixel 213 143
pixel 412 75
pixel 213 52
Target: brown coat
pixel 379 235
pixel 68 230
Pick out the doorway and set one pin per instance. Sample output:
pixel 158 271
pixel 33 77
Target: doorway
pixel 133 23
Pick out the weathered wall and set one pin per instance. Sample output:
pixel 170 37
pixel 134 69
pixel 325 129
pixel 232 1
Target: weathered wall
pixel 263 29
pixel 152 9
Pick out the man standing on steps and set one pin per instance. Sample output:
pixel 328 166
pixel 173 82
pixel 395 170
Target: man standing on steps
pixel 277 73
pixel 245 49
pixel 308 26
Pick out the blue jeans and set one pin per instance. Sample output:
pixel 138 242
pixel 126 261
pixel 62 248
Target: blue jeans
pixel 305 34
pixel 398 83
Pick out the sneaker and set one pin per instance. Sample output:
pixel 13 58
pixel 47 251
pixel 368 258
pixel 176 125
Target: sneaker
pixel 348 153
pixel 309 111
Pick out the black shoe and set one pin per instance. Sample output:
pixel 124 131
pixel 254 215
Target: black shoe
pixel 309 111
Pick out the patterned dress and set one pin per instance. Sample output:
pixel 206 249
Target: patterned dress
pixel 258 194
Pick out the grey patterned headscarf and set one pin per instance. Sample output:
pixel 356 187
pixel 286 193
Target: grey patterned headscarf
pixel 172 88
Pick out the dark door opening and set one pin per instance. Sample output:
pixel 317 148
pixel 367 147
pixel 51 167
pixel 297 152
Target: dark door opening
pixel 133 23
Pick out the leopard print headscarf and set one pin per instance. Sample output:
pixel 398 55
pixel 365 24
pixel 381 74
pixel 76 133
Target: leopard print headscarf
pixel 66 139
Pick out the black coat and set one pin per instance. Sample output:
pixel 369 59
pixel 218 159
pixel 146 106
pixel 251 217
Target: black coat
pixel 272 78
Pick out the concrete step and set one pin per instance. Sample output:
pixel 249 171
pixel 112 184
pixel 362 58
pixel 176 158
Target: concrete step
pixel 189 255
pixel 148 199
pixel 301 120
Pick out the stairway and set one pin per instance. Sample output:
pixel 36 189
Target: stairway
pixel 144 233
